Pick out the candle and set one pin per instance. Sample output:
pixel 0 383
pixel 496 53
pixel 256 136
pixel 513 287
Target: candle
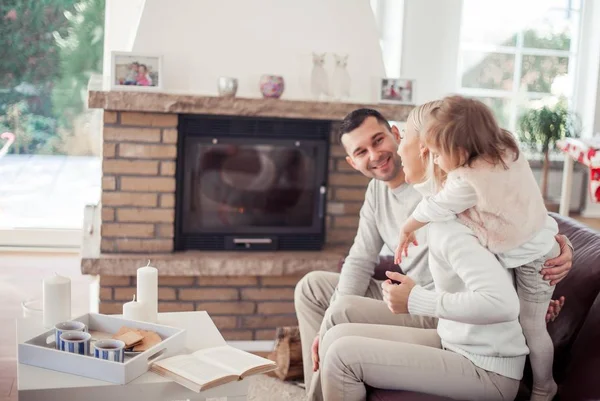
pixel 134 310
pixel 147 291
pixel 56 300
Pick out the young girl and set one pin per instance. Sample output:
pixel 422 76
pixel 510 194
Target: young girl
pixel 490 187
pixel 143 78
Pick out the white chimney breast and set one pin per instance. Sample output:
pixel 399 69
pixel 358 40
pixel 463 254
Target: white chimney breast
pixel 201 40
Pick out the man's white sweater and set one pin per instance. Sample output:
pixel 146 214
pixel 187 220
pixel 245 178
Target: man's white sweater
pixel 383 213
pixel 474 299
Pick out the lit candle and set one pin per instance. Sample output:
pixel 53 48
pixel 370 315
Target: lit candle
pixel 134 310
pixel 56 300
pixel 147 291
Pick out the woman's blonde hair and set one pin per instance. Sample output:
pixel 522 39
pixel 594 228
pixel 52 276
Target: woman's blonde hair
pixel 464 129
pixel 418 117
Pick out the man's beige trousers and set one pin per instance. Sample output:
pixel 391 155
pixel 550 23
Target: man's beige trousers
pixel 312 297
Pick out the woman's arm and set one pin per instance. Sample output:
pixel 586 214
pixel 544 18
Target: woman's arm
pixel 490 296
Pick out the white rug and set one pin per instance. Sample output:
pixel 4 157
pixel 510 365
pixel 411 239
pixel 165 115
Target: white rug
pixel 265 388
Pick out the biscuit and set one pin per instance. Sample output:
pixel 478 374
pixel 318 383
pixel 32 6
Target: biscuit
pixel 150 340
pixel 130 338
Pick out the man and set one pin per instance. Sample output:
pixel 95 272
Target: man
pixel 325 299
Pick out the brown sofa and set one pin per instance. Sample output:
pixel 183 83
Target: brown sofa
pixel 575 333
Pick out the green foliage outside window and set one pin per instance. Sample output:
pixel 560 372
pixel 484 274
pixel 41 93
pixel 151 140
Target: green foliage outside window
pixel 48 50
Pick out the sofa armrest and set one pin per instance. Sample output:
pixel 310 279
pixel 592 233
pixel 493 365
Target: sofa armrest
pixel 581 375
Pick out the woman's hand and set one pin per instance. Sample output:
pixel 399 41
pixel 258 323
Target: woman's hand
pixel 396 295
pixel 406 238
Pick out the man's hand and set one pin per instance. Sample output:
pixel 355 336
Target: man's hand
pixel 554 309
pixel 406 238
pixel 556 269
pixel 315 353
pixel 396 295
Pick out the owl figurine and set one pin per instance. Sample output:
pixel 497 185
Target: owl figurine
pixel 319 83
pixel 341 78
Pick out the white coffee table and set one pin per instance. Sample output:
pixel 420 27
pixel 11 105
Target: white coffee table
pixel 42 384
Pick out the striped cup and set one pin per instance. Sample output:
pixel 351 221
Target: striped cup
pixel 110 350
pixel 64 327
pixel 75 342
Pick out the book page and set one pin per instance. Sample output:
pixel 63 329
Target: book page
pixel 232 359
pixel 194 369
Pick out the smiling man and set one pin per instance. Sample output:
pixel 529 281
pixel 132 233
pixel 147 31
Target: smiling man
pixel 325 299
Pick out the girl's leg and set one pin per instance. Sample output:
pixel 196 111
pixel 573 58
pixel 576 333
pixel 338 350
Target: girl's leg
pixel 535 294
pixel 353 361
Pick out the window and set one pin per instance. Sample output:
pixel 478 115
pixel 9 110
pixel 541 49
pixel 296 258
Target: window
pixel 513 52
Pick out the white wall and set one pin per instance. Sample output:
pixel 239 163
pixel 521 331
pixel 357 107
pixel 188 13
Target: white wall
pixel 389 15
pixel 121 18
pixel 201 40
pixel 430 46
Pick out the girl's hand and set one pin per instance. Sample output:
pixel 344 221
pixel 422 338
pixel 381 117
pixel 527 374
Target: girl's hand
pixel 396 295
pixel 406 238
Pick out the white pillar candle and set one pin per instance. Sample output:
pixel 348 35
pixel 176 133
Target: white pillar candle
pixel 134 310
pixel 147 291
pixel 56 300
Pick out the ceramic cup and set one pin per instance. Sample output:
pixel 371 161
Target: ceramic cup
pixel 227 86
pixel 64 327
pixel 110 350
pixel 75 342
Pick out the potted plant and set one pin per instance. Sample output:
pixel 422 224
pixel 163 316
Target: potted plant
pixel 542 126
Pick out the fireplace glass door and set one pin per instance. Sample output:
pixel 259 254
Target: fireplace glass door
pixel 249 186
pixel 233 188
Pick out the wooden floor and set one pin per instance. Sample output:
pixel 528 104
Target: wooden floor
pixel 593 223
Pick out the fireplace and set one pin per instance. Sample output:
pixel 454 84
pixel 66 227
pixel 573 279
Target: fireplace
pixel 247 183
pixel 149 139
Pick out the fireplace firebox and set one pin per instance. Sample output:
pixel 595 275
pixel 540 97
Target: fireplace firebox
pixel 251 183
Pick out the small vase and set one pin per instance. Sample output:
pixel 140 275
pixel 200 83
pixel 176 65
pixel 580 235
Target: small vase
pixel 271 86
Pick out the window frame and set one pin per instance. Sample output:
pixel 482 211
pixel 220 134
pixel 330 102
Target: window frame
pixel 519 51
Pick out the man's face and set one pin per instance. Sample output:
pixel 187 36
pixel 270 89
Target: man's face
pixel 371 150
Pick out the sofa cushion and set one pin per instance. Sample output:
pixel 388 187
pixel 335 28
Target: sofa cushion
pixel 395 395
pixel 581 375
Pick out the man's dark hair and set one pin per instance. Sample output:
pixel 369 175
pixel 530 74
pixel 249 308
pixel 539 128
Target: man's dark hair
pixel 355 119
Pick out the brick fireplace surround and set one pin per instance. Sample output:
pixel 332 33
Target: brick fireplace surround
pixel 248 294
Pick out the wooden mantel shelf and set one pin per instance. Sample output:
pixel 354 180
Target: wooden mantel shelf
pixel 154 102
pixel 216 263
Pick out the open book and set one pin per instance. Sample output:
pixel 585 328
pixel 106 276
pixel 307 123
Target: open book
pixel 211 367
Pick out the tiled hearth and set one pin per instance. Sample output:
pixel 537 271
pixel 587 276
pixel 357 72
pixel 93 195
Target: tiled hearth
pixel 248 294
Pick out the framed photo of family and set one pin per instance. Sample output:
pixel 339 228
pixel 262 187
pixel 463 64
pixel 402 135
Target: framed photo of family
pixel 397 90
pixel 136 72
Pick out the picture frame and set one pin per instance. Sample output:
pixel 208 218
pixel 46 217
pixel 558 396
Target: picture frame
pixel 397 90
pixel 136 72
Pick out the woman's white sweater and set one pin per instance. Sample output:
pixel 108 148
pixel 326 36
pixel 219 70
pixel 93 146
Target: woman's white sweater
pixel 474 299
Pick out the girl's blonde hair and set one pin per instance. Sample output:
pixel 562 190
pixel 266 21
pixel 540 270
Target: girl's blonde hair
pixel 464 129
pixel 418 117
